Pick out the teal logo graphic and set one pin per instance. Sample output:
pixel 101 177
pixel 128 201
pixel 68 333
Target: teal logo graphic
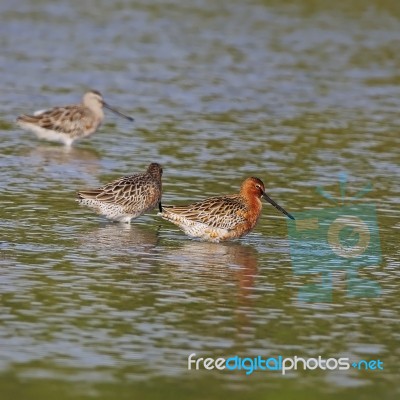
pixel 333 241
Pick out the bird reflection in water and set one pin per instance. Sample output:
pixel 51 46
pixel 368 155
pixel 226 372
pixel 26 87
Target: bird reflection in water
pixel 70 161
pixel 120 241
pixel 222 275
pixel 213 267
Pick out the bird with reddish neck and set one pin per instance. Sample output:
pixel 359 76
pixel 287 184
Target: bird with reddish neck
pixel 224 217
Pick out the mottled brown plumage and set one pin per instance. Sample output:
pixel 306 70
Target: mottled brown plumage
pixel 69 123
pixel 128 197
pixel 222 217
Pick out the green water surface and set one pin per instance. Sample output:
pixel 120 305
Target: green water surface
pixel 294 92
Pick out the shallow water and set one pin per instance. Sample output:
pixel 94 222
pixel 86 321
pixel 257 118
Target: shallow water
pixel 296 94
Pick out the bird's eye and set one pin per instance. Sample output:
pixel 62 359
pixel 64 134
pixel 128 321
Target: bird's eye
pixel 259 188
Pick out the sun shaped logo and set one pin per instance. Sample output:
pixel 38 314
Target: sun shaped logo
pixel 348 236
pixel 342 237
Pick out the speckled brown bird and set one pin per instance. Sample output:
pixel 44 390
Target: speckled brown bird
pixel 69 123
pixel 222 217
pixel 126 198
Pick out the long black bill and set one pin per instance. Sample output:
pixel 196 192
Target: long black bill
pixel 117 112
pixel 277 206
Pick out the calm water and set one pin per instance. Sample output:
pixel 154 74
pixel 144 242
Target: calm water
pixel 294 93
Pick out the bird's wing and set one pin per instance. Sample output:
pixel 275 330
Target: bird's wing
pixel 71 120
pixel 126 192
pixel 220 212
